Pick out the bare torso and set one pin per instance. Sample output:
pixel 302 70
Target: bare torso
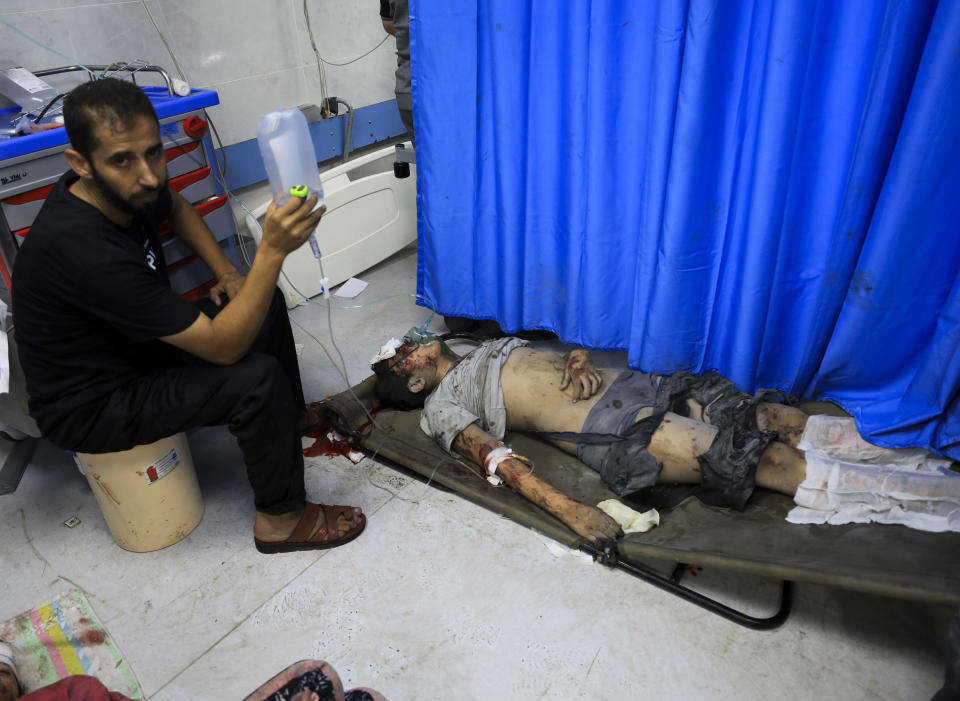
pixel 531 392
pixel 531 381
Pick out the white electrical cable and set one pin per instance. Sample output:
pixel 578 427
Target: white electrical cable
pixel 316 52
pixel 356 58
pixel 166 44
pixel 186 84
pixel 321 60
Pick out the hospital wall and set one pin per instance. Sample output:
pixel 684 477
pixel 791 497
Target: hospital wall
pixel 255 53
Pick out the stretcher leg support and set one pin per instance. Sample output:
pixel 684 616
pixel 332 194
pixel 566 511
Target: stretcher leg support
pixel 672 584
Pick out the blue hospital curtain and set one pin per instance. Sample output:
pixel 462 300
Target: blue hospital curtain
pixel 766 188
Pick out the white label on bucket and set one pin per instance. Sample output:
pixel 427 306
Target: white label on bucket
pixel 162 467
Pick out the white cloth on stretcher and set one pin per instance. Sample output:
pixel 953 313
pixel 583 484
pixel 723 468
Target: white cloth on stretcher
pixel 852 481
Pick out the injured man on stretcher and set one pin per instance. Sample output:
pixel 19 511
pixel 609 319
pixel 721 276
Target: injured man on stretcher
pixel 636 429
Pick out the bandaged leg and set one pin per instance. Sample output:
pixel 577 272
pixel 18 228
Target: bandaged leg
pixel 837 491
pixel 837 437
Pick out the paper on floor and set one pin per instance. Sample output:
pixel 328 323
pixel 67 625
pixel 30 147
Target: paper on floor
pixel 558 550
pixel 333 443
pixel 351 288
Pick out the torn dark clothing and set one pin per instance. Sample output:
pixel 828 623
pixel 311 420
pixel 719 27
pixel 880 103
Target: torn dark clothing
pixel 616 415
pixel 614 442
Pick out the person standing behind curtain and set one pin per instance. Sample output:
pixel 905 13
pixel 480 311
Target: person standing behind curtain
pixel 395 16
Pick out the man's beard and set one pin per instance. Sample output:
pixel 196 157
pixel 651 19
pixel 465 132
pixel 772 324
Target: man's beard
pixel 122 203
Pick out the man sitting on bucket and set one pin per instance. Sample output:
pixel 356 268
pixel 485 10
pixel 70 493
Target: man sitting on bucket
pixel 114 358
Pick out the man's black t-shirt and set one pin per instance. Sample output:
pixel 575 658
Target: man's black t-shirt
pixel 90 298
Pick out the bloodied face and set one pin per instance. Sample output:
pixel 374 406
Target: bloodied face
pixel 418 364
pixel 411 372
pixel 406 378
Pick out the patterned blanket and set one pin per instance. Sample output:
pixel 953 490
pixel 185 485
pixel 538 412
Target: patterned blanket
pixel 61 637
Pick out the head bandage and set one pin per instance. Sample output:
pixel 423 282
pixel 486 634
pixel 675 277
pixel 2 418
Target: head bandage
pixel 387 350
pixel 6 657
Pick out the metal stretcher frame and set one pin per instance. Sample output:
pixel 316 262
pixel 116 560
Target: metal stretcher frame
pixel 880 559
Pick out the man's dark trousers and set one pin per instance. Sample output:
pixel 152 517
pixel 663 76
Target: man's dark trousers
pixel 258 398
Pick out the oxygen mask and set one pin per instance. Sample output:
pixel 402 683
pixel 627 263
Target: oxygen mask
pixel 419 336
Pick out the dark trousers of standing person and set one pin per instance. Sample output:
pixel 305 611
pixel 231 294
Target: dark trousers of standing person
pixel 406 116
pixel 259 399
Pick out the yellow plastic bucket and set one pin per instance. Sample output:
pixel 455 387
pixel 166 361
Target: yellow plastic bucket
pixel 149 494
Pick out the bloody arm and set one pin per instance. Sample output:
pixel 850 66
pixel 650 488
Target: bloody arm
pixel 589 522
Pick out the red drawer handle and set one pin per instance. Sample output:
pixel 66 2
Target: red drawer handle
pixel 31 195
pixel 210 205
pixel 182 182
pixel 178 151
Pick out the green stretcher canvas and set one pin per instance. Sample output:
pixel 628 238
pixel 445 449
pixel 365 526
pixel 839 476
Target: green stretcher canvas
pixel 881 559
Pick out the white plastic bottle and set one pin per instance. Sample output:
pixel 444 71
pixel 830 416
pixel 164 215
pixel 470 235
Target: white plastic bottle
pixel 289 158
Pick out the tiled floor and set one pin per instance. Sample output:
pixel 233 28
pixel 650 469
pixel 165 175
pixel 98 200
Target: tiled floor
pixel 438 598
